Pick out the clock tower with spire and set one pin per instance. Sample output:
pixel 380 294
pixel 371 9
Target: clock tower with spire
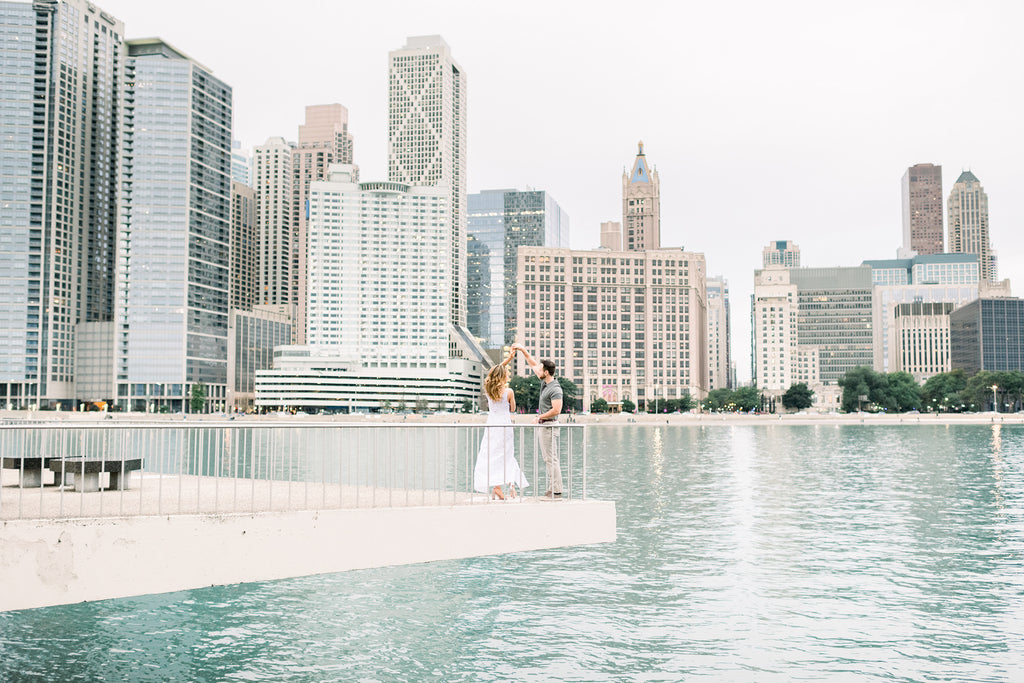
pixel 641 206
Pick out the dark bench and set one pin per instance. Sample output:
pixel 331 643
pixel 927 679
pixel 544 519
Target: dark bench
pixel 86 471
pixel 31 469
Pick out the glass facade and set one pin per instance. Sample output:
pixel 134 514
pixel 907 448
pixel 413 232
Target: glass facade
pixel 175 228
pixel 987 334
pixel 485 304
pixel 61 68
pixel 934 269
pixel 503 221
pixel 17 257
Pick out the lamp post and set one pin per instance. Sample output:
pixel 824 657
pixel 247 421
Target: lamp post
pixel 995 403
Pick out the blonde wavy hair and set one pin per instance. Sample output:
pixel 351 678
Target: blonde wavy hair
pixel 495 382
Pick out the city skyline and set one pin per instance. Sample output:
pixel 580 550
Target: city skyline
pixel 758 121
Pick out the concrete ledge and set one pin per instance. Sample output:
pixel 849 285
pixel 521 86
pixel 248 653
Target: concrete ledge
pixel 53 562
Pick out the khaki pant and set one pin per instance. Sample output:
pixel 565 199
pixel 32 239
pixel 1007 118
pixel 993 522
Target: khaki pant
pixel 547 437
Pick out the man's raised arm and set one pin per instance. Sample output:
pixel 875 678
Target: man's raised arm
pixel 534 365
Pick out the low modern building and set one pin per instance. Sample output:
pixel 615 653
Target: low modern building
pixel 252 337
pixel 987 334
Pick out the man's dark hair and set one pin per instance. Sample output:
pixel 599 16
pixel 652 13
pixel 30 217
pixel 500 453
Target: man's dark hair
pixel 549 366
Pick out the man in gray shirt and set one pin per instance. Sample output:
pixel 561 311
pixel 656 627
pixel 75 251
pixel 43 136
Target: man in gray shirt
pixel 550 407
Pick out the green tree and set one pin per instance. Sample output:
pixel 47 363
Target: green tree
pixel 718 400
pixel 979 389
pixel 861 381
pixel 527 391
pixel 944 391
pixel 599 406
pixel 400 406
pixel 685 403
pixel 569 393
pixel 895 391
pixel 798 397
pixel 902 392
pixel 467 406
pixel 628 406
pixel 746 398
pixel 198 399
pixel 421 405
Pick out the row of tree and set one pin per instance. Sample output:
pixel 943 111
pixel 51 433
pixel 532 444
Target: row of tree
pixel 954 391
pixel 527 392
pixel 863 389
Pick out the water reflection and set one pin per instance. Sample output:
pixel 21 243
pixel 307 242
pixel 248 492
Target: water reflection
pixel 743 553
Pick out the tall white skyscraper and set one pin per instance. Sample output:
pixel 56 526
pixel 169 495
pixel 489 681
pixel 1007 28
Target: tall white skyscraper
pixel 377 293
pixel 379 324
pixel 427 137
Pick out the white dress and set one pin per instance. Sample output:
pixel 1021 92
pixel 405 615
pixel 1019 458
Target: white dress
pixel 496 460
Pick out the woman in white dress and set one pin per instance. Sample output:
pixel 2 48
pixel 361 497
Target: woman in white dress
pixel 496 461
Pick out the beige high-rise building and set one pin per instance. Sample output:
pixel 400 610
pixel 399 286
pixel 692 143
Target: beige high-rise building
pixel 968 223
pixel 611 235
pixel 324 139
pixel 641 206
pixel 244 240
pixel 272 175
pixel 427 137
pixel 922 210
pixel 622 325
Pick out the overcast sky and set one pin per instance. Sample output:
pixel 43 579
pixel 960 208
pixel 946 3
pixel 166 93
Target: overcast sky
pixel 781 120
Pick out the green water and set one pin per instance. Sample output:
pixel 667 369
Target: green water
pixel 757 553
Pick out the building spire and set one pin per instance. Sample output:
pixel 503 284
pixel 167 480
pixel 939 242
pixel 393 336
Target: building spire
pixel 640 173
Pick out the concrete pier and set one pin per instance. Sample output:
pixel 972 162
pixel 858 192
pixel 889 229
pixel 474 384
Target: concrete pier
pixel 174 533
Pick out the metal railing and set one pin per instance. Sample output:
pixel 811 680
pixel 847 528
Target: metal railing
pixel 255 466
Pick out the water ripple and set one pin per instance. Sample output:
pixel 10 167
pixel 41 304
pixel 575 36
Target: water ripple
pixel 744 553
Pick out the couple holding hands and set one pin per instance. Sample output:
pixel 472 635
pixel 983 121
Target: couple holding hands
pixel 496 464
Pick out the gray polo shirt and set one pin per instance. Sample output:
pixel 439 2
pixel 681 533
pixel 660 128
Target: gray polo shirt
pixel 548 393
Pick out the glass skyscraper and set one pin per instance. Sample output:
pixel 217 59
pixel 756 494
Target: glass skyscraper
pixel 173 241
pixel 61 66
pixel 988 334
pixel 502 221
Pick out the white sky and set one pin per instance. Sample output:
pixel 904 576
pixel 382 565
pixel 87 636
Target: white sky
pixel 765 120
